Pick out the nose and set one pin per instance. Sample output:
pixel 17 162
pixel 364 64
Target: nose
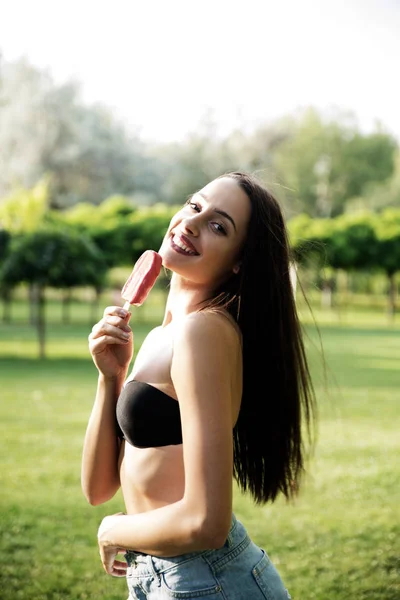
pixel 190 225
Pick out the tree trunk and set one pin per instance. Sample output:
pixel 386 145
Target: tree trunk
pixel 6 297
pixel 95 306
pixel 66 307
pixel 40 321
pixel 328 286
pixel 326 294
pixel 346 286
pixel 391 297
pixel 33 303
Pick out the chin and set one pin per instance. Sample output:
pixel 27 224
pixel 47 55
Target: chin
pixel 163 252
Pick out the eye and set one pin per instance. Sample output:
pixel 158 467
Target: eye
pixel 194 206
pixel 218 228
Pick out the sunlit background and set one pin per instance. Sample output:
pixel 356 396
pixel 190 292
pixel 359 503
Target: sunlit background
pixel 111 113
pixel 163 66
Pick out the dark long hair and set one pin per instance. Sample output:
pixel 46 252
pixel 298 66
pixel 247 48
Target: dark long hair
pixel 278 403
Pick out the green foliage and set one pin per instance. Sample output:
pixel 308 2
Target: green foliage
pixel 45 128
pixel 387 229
pixel 24 209
pixel 116 206
pixel 5 241
pixel 297 156
pixel 151 224
pixel 366 158
pixel 82 216
pixel 108 225
pixel 310 239
pixel 388 193
pixel 327 162
pixel 122 230
pixel 55 258
pixel 314 163
pixel 5 238
pixel 353 243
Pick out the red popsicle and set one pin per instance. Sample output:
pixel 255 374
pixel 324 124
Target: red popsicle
pixel 142 278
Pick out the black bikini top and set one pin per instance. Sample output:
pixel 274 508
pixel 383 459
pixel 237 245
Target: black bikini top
pixel 148 417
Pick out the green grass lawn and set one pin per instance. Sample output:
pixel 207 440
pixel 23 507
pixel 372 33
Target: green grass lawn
pixel 338 541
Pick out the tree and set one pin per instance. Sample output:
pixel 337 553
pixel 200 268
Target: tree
pixel 311 245
pixel 378 196
pixel 116 206
pixel 109 225
pixel 188 167
pixel 52 258
pixel 122 230
pixel 45 129
pixel 387 230
pixel 5 290
pixel 354 243
pixel 151 224
pixel 308 238
pixel 25 209
pixel 327 161
pixel 4 243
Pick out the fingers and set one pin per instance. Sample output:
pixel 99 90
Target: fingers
pixel 98 345
pixel 114 567
pixel 113 325
pixel 117 321
pixel 116 311
pixel 112 332
pixel 110 322
pixel 119 569
pixel 115 315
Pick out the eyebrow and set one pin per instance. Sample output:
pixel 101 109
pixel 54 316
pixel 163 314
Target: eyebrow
pixel 219 211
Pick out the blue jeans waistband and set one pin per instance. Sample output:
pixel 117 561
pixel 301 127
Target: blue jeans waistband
pixel 237 540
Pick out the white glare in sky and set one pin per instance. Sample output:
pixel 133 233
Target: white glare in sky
pixel 163 65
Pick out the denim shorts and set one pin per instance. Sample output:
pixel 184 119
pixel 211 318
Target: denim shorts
pixel 240 570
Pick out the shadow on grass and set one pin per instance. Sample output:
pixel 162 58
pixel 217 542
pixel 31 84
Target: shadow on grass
pixel 365 331
pixel 358 357
pixel 15 366
pixel 355 357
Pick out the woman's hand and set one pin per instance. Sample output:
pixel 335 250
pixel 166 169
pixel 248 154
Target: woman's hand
pixel 111 342
pixel 108 553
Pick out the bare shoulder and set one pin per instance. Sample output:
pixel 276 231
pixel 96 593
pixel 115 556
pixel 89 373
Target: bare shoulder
pixel 209 329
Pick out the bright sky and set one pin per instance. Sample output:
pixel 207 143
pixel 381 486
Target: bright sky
pixel 162 64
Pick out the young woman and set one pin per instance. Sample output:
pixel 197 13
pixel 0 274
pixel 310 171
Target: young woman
pixel 220 390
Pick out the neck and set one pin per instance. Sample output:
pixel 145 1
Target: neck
pixel 184 297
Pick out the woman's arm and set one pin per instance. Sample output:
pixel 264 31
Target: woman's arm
pixel 111 347
pixel 99 476
pixel 205 359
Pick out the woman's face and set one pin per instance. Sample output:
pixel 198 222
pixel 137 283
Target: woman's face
pixel 205 237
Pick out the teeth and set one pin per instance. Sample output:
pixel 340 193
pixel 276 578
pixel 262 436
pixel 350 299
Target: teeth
pixel 181 245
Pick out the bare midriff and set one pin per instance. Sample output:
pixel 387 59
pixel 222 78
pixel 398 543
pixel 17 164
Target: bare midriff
pixel 155 477
pixel 150 477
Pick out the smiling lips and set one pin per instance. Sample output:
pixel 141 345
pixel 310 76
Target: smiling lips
pixel 181 244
